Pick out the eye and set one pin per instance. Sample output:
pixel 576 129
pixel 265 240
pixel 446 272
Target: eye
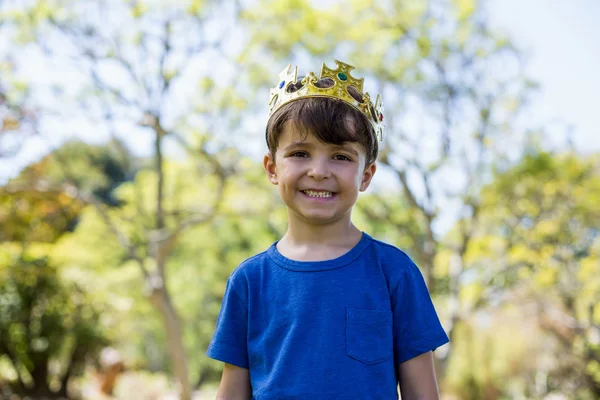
pixel 341 157
pixel 299 154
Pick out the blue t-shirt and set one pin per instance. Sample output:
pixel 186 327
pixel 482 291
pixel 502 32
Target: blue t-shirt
pixel 334 329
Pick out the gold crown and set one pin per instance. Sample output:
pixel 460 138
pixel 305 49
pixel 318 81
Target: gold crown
pixel 335 83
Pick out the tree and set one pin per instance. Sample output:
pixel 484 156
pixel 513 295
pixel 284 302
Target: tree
pixel 200 260
pixel 39 207
pixel 43 321
pixel 45 318
pixel 32 216
pixel 541 238
pixel 138 62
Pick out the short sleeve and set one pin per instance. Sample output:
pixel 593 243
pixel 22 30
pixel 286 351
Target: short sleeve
pixel 229 342
pixel 417 328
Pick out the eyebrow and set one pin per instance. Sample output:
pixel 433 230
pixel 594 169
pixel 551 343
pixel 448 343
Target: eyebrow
pixel 298 144
pixel 348 149
pixel 307 144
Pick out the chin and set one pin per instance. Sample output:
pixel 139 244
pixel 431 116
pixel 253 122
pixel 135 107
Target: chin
pixel 319 219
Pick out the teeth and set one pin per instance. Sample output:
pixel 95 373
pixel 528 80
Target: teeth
pixel 312 193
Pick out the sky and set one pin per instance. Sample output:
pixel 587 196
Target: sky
pixel 560 41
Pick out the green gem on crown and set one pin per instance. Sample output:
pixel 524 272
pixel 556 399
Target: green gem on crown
pixel 342 76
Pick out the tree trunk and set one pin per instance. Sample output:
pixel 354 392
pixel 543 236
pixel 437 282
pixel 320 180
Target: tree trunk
pixel 77 355
pixel 159 295
pixel 456 267
pixel 429 253
pixel 39 375
pixel 162 301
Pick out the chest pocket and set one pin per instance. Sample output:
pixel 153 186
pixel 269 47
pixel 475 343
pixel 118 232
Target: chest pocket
pixel 369 335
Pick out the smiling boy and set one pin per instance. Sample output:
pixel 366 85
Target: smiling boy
pixel 326 312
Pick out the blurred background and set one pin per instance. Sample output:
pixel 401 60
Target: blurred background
pixel 131 185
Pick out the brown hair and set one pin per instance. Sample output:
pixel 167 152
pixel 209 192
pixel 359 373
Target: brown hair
pixel 330 120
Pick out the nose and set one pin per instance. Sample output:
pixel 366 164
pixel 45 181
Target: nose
pixel 319 168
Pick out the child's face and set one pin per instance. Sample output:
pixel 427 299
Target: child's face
pixel 318 182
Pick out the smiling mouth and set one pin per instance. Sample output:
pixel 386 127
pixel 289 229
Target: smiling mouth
pixel 318 193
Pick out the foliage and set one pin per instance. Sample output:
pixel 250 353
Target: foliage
pixel 541 238
pixel 43 321
pixel 29 215
pixel 137 67
pixel 94 170
pixel 42 202
pixel 499 343
pixel 200 261
pixel 49 322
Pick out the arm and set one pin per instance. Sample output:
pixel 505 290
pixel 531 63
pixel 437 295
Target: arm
pixel 417 378
pixel 235 384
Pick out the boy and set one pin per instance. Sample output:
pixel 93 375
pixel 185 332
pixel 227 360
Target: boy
pixel 327 312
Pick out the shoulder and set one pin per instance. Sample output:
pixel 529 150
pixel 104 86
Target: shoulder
pixel 391 255
pixel 389 251
pixel 249 265
pixel 246 272
pixel 394 262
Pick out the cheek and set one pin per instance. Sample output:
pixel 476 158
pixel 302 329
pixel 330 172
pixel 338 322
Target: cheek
pixel 287 176
pixel 354 175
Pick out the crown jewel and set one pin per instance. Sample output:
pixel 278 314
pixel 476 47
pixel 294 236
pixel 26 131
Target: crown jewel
pixel 336 83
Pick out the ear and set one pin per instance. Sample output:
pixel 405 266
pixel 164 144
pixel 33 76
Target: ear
pixel 367 176
pixel 270 169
